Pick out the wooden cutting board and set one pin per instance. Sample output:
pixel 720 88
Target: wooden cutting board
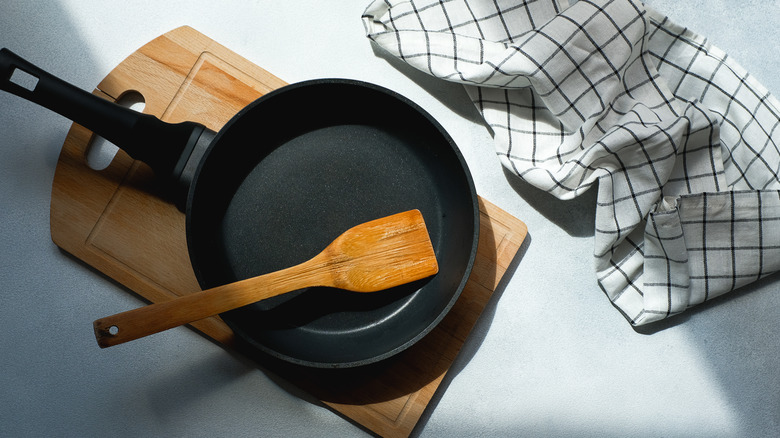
pixel 113 220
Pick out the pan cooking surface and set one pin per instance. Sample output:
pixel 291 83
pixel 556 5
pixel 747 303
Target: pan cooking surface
pixel 272 194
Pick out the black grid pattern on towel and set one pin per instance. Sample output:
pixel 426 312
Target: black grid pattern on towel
pixel 681 142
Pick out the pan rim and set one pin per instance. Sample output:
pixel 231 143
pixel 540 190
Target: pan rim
pixel 468 180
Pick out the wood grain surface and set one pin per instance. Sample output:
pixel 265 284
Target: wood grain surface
pixel 114 220
pixel 369 257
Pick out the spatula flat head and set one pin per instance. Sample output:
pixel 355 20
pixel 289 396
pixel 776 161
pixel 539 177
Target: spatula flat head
pixel 383 253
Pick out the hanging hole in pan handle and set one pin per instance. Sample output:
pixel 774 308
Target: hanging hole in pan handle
pixel 26 80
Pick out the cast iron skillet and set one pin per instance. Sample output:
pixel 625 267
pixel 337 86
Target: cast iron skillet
pixel 283 178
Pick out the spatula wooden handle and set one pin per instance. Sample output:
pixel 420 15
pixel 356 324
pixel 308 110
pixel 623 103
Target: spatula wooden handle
pixel 154 318
pixel 369 257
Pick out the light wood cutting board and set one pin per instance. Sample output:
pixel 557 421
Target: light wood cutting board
pixel 113 220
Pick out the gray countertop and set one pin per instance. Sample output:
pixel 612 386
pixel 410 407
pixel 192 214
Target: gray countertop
pixel 533 366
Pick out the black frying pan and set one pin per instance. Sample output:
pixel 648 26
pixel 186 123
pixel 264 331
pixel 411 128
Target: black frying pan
pixel 283 178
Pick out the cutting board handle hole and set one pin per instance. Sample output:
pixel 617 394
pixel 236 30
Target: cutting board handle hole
pixel 113 330
pixel 101 152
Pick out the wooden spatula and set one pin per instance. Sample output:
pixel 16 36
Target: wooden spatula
pixel 370 257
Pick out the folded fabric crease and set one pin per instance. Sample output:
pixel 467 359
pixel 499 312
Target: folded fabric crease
pixel 681 142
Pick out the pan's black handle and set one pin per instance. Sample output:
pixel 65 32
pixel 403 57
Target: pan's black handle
pixel 142 136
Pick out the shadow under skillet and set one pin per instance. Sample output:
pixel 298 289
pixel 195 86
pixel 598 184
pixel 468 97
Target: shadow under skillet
pixel 414 368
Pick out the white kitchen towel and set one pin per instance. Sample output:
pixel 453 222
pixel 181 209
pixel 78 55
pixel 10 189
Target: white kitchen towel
pixel 681 142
